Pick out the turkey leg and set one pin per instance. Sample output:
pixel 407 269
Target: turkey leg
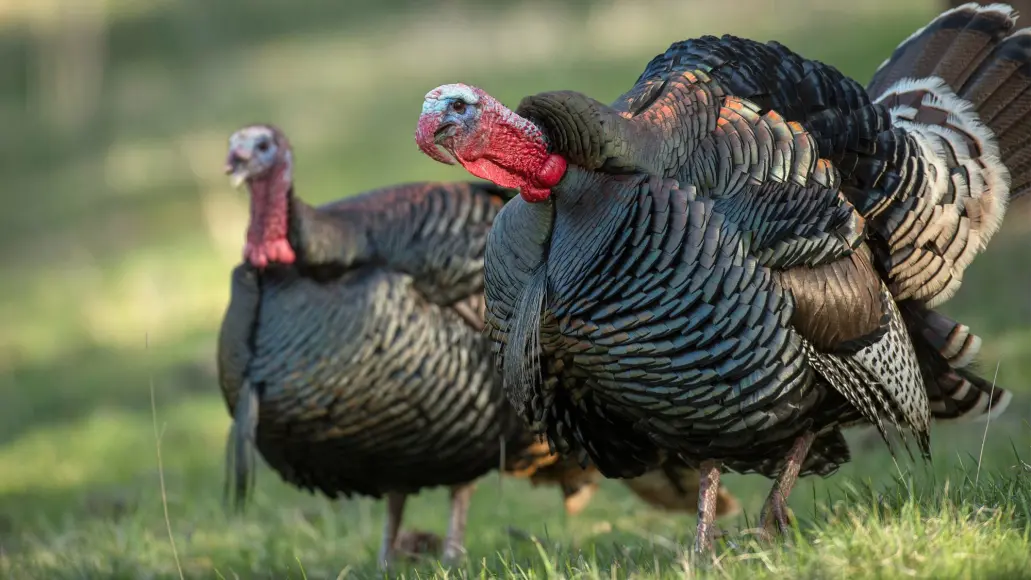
pixel 708 495
pixel 454 544
pixel 776 506
pixel 395 509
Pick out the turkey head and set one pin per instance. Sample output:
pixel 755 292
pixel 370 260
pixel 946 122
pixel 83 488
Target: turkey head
pixel 259 155
pixel 532 147
pixel 489 140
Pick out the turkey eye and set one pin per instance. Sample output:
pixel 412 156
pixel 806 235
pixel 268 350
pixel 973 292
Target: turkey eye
pixel 458 106
pixel 263 147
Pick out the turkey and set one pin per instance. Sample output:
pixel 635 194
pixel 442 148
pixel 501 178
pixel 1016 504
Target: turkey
pixel 741 256
pixel 352 356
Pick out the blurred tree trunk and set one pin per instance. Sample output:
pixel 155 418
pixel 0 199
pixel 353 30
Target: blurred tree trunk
pixel 71 50
pixel 1023 7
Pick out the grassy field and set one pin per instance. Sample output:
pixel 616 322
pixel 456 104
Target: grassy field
pixel 118 234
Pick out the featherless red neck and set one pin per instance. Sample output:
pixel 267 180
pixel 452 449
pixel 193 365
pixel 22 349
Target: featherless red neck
pixel 270 203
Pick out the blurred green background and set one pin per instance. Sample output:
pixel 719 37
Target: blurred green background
pixel 118 231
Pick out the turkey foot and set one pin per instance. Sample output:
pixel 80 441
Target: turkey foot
pixel 775 517
pixel 395 509
pixel 454 543
pixel 708 494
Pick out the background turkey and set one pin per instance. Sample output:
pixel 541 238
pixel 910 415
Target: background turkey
pixel 352 350
pixel 742 254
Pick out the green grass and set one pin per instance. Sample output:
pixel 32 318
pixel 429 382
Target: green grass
pixel 868 521
pixel 118 240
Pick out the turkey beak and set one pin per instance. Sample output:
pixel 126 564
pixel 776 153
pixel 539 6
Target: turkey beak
pixel 427 135
pixel 236 169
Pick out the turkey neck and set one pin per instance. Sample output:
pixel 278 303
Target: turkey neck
pixel 596 136
pixel 590 134
pixel 322 238
pixel 270 202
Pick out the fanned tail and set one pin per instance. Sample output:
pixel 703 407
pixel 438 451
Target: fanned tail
pixel 958 92
pixel 950 47
pixel 947 351
pixel 959 95
pixel 240 448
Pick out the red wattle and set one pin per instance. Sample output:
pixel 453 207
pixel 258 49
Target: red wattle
pixel 548 176
pixel 267 233
pixel 532 194
pixel 552 171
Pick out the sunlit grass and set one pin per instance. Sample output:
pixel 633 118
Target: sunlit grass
pixel 926 526
pixel 79 497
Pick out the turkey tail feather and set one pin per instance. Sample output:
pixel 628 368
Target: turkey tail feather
pixel 240 448
pixel 949 47
pixel 1000 91
pixel 947 350
pixel 958 93
pixel 980 60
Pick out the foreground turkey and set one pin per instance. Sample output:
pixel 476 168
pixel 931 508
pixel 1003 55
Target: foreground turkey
pixel 352 350
pixel 742 254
